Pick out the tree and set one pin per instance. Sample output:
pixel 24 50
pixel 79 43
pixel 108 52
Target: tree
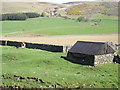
pixel 17 16
pixel 20 17
pixel 43 14
pixel 3 17
pixel 32 15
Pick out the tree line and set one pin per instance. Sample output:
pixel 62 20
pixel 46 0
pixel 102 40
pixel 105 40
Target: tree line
pixel 19 16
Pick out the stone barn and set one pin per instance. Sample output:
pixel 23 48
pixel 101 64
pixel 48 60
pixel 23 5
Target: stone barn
pixel 91 53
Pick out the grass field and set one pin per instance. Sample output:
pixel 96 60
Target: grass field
pixel 54 70
pixel 57 26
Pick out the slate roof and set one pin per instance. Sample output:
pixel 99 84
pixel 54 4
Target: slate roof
pixel 92 48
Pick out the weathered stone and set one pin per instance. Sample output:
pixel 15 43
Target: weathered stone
pixel 102 59
pixel 66 48
pixel 90 59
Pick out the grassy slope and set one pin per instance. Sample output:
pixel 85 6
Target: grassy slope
pixel 58 26
pixel 51 68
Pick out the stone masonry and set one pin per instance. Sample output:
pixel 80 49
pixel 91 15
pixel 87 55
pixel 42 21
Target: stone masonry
pixel 102 59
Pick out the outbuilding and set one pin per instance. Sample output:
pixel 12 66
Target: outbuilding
pixel 91 53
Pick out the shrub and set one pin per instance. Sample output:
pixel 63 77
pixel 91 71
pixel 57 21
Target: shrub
pixel 4 17
pixel 32 15
pixel 80 19
pixel 14 17
pixel 18 16
pixel 74 12
pixel 43 14
pixel 96 20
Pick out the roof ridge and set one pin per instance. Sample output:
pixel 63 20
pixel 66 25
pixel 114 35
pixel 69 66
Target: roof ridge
pixel 93 42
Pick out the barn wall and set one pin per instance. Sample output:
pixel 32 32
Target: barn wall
pixel 102 59
pixel 90 59
pixel 81 58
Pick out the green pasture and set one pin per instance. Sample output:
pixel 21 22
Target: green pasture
pixel 58 26
pixel 49 67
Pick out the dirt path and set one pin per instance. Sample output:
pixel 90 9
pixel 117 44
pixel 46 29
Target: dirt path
pixel 67 39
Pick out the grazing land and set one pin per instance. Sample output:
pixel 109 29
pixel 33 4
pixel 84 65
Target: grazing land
pixel 31 68
pixel 53 71
pixel 57 26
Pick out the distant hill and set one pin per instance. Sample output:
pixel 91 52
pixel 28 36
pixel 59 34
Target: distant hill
pixel 85 8
pixel 76 2
pixel 14 7
pixel 65 9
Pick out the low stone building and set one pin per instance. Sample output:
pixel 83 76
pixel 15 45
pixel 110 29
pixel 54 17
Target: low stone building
pixel 91 53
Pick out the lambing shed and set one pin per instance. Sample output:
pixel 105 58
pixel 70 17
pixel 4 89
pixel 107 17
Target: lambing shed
pixel 91 53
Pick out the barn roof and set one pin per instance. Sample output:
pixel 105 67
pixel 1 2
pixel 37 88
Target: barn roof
pixel 92 48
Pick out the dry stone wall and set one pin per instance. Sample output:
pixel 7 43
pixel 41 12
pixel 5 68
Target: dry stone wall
pixel 3 43
pixel 46 47
pixel 66 48
pixel 117 47
pixel 52 48
pixel 14 43
pixel 92 60
pixel 102 59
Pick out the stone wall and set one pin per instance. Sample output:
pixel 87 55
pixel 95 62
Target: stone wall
pixel 46 47
pixel 14 43
pixel 3 42
pixel 66 48
pixel 92 60
pixel 102 59
pixel 117 47
pixel 116 59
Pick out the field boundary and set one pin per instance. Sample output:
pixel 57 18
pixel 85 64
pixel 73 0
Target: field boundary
pixel 46 47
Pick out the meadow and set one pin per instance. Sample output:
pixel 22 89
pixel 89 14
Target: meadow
pixel 58 26
pixel 53 70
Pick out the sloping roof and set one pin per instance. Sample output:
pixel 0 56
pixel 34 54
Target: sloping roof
pixel 92 48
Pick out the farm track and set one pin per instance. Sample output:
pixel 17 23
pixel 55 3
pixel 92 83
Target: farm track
pixel 65 39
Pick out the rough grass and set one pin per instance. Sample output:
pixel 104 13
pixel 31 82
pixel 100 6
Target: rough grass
pixel 18 7
pixel 58 26
pixel 51 68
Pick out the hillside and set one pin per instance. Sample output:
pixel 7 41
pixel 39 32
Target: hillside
pixel 70 9
pixel 90 8
pixel 13 7
pixel 43 69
